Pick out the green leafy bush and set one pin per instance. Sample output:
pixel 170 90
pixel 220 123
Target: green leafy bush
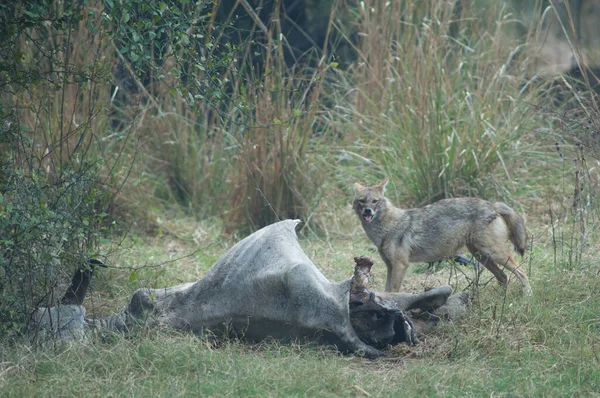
pixel 53 172
pixel 47 226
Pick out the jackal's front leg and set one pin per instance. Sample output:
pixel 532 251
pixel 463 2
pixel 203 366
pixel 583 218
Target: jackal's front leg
pixel 397 276
pixel 396 263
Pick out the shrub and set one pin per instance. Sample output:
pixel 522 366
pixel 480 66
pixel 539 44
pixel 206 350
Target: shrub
pixel 53 191
pixel 47 226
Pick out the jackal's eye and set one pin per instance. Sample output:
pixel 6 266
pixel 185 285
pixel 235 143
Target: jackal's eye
pixel 361 201
pixel 374 201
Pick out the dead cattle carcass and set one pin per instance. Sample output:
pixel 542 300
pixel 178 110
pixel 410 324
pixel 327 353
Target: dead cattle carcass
pixel 266 287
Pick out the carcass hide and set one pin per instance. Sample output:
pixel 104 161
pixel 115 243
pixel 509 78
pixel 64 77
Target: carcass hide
pixel 266 287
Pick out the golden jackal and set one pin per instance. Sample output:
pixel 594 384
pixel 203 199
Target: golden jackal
pixel 437 231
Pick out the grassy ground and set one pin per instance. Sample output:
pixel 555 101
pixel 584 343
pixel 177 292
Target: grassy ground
pixel 546 345
pixel 436 103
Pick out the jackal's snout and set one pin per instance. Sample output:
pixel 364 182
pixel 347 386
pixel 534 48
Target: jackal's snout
pixel 368 214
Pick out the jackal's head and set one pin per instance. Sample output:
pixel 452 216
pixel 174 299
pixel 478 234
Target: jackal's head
pixel 369 201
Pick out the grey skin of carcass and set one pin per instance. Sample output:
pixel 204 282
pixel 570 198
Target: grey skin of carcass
pixel 263 287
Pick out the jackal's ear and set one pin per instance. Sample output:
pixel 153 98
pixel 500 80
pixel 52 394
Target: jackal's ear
pixel 358 188
pixel 381 186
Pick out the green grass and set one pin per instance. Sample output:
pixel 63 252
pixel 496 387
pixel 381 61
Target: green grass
pixel 547 345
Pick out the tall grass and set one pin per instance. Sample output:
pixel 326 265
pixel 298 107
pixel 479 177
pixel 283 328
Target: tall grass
pixel 571 119
pixel 63 112
pixel 185 161
pixel 573 206
pixel 275 174
pixel 250 158
pixel 66 113
pixel 434 99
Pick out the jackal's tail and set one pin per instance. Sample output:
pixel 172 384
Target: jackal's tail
pixel 516 226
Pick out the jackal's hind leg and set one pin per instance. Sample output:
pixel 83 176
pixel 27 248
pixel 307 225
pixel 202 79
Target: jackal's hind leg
pixel 493 267
pixel 508 262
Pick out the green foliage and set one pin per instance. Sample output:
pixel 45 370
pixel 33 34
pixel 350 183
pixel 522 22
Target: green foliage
pixel 35 21
pixel 46 227
pixel 61 165
pixel 171 42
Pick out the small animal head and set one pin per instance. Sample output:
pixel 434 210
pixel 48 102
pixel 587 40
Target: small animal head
pixel 369 201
